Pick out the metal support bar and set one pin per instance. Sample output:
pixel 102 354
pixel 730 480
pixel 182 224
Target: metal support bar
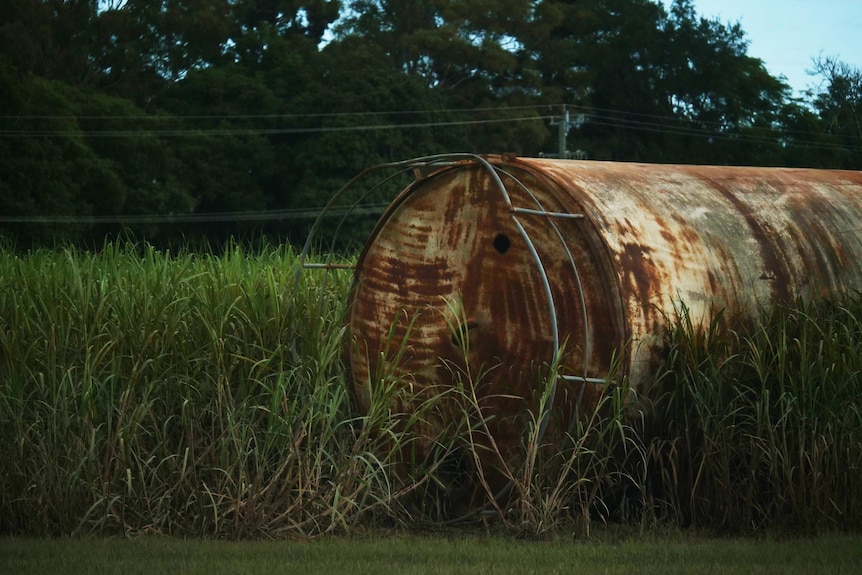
pixel 542 211
pixel 579 379
pixel 548 214
pixel 312 266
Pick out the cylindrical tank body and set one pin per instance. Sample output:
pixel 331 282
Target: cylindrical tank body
pixel 522 258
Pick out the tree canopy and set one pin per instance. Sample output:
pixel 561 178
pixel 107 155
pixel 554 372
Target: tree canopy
pixel 171 110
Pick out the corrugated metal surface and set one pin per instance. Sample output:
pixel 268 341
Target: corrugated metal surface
pixel 539 254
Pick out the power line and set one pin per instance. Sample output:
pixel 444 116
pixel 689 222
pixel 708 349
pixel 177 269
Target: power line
pixel 584 110
pixel 778 138
pixel 262 131
pixel 212 217
pixel 596 116
pixel 151 117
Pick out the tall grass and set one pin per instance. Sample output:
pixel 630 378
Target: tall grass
pixel 203 395
pixel 561 472
pixel 179 393
pixel 762 426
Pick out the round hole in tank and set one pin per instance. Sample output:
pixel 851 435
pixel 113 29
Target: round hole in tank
pixel 502 243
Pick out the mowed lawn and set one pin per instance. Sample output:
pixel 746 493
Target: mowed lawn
pixel 402 555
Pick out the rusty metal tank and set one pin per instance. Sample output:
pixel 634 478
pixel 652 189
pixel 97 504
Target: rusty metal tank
pixel 526 260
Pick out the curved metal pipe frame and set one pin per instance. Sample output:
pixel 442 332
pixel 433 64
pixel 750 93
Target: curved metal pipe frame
pixel 443 160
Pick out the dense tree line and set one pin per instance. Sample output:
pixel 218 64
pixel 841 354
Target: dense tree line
pixel 190 107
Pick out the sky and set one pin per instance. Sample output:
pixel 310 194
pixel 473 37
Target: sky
pixel 787 34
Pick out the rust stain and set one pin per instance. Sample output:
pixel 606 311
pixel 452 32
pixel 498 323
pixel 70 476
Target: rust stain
pixel 775 266
pixel 650 236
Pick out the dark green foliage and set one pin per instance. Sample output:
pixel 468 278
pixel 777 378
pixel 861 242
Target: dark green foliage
pixel 840 109
pixel 213 106
pixel 76 153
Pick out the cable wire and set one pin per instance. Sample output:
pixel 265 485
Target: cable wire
pixel 262 131
pixel 596 116
pixel 211 217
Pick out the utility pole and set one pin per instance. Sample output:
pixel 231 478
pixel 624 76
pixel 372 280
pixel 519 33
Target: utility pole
pixel 564 123
pixel 562 132
pixel 562 129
